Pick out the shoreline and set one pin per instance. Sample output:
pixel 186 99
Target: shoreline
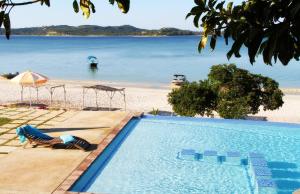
pixel 285 90
pixel 140 97
pixel 95 36
pixel 114 83
pixel 154 85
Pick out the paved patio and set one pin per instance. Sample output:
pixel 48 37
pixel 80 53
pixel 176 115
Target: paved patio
pixel 42 170
pixel 19 117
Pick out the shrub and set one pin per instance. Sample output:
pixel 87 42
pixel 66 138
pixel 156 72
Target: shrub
pixel 193 98
pixel 154 111
pixel 230 91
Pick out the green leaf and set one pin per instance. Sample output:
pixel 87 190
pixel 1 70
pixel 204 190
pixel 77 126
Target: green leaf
pixel 47 2
pixel 269 49
pixel 196 10
pixel 247 6
pixel 229 54
pixel 1 17
pixel 93 7
pixel 295 10
pixel 262 47
pixel 226 35
pixel 196 20
pixel 6 22
pixel 212 3
pixel 123 5
pixel 229 6
pixel 200 3
pixel 202 43
pixel 75 6
pixel 220 5
pixel 213 41
pixel 254 44
pixel 286 49
pixel 188 15
pixel 85 7
pixel 235 49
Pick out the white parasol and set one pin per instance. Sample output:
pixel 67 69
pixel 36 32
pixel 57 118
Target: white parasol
pixel 30 79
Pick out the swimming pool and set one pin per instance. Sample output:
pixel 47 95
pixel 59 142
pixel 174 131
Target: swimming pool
pixel 190 155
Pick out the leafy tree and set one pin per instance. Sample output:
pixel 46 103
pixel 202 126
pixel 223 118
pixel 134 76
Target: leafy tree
pixel 193 98
pixel 230 91
pixel 267 27
pixel 86 7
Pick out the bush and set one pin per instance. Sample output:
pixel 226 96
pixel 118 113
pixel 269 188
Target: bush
pixel 230 91
pixel 193 98
pixel 154 111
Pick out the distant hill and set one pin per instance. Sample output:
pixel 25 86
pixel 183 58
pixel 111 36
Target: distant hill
pixel 93 30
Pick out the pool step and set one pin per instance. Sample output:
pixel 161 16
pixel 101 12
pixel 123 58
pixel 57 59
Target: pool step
pixel 260 175
pixel 233 158
pixel 265 186
pixel 187 154
pixel 211 156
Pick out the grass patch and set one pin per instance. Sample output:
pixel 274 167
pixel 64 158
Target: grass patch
pixel 4 120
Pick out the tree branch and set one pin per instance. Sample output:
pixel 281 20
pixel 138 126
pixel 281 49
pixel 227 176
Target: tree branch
pixel 23 3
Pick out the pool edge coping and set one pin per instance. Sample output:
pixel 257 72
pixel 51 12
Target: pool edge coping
pixel 70 180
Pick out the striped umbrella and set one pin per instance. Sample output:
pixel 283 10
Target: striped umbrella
pixel 30 79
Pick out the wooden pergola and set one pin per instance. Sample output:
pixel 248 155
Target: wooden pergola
pixel 110 91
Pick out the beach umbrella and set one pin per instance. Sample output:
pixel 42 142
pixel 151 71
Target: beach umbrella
pixel 30 79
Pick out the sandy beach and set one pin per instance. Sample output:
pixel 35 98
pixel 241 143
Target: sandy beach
pixel 139 97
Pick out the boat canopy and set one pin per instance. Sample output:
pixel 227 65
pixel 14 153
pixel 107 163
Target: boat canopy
pixel 92 59
pixel 180 77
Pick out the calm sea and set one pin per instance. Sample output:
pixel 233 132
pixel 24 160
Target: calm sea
pixel 128 59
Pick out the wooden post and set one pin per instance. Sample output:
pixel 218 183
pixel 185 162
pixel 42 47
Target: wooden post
pixel 82 98
pixel 22 93
pixel 65 95
pixel 51 94
pixel 96 98
pixel 37 94
pixel 124 96
pixel 30 96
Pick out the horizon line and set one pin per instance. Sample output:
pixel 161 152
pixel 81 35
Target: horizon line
pixel 107 26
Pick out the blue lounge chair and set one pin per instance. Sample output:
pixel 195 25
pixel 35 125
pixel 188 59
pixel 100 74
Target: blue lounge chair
pixel 36 137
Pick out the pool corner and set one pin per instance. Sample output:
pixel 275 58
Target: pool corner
pixel 67 184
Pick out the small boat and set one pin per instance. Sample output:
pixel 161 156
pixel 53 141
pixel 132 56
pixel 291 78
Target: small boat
pixel 93 61
pixel 10 75
pixel 178 80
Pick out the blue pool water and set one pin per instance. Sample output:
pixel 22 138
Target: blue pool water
pixel 144 157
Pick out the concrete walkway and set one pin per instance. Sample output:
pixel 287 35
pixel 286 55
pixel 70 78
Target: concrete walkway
pixel 41 170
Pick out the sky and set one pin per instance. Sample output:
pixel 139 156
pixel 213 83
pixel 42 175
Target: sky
pixel 148 14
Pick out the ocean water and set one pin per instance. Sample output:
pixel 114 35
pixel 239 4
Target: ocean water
pixel 147 160
pixel 128 59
